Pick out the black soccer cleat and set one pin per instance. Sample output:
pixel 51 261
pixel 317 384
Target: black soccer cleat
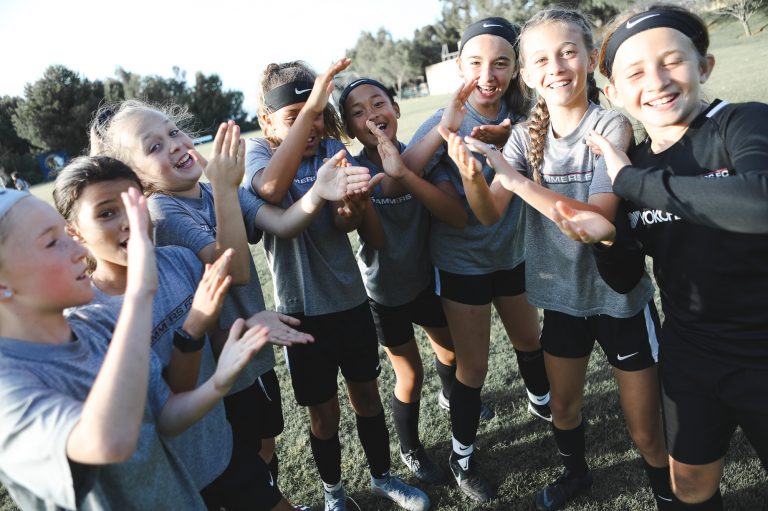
pixel 469 481
pixel 566 487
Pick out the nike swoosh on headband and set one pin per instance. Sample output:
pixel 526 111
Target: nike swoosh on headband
pixel 631 24
pixel 487 25
pixel 297 91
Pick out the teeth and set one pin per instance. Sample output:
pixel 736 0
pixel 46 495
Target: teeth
pixel 557 85
pixel 183 161
pixel 661 101
pixel 485 88
pixel 381 126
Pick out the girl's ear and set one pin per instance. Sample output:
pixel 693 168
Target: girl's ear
pixel 397 109
pixel 593 57
pixel 612 94
pixel 266 121
pixel 706 68
pixel 74 233
pixel 458 67
pixel 527 78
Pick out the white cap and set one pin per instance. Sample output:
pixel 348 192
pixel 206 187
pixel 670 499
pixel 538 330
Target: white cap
pixel 9 197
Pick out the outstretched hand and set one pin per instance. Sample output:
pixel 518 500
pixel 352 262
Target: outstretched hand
pixel 280 328
pixel 496 134
pixel 354 204
pixel 454 112
pixel 240 347
pixel 469 167
pixel 323 87
pixel 209 296
pixel 615 160
pixel 337 178
pixel 391 161
pixel 142 267
pixel 227 164
pixel 583 225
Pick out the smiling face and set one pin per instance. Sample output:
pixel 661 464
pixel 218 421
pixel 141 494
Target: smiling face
pixel 490 59
pixel 159 152
pixel 369 103
pixel 556 63
pixel 100 222
pixel 280 121
pixel 43 267
pixel 657 76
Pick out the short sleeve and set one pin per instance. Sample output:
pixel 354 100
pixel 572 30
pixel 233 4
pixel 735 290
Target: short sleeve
pixel 425 128
pixel 257 155
pixel 250 204
pixel 175 226
pixel 618 130
pixel 35 424
pixel 516 148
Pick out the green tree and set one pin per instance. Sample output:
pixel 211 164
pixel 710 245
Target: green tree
pixel 56 110
pixel 15 153
pixel 211 104
pixel 393 63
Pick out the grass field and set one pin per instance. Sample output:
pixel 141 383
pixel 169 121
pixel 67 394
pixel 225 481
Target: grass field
pixel 517 452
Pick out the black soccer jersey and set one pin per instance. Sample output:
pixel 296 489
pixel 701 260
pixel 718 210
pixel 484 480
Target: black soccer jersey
pixel 700 210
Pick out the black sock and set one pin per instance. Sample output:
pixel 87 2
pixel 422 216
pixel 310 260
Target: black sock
pixel 447 375
pixel 406 417
pixel 465 412
pixel 531 366
pixel 272 466
pixel 714 503
pixel 327 454
pixel 374 437
pixel 570 443
pixel 660 486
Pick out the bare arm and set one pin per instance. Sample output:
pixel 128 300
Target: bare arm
pixel 109 425
pixel 418 154
pixel 225 172
pixel 273 182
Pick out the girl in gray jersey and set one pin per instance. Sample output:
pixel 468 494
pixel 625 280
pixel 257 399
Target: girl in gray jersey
pixel 557 60
pixel 317 280
pixel 209 218
pixel 398 275
pixel 83 417
pixel 479 265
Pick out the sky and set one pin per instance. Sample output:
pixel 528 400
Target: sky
pixel 235 39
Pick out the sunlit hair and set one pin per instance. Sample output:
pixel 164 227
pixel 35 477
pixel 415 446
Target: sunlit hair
pixel 538 124
pixel 105 127
pixel 276 75
pixel 80 173
pixel 701 46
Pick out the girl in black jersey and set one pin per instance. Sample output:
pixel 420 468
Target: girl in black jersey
pixel 697 202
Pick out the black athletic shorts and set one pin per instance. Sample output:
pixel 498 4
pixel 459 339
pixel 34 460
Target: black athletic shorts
pixel 704 400
pixel 253 413
pixel 480 289
pixel 344 340
pixel 394 325
pixel 629 344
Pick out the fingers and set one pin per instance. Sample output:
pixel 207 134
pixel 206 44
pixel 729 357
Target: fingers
pixel 288 320
pixel 235 142
pixel 479 146
pixel 464 91
pixel 445 133
pixel 236 330
pixel 136 208
pixel 564 210
pixel 218 140
pixel 375 180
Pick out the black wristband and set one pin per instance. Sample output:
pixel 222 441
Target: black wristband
pixel 185 343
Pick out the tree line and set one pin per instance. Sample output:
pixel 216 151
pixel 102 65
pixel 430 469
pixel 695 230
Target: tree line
pixel 55 111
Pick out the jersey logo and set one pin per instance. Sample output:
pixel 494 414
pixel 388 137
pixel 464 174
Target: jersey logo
pixel 724 172
pixel 572 177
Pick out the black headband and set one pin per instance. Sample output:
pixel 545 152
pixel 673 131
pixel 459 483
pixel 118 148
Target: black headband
pixel 493 26
pixel 288 94
pixel 357 83
pixel 680 21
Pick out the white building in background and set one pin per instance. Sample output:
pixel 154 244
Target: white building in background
pixel 443 77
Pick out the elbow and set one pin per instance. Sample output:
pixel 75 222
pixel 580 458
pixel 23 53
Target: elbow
pixel 113 448
pixel 488 220
pixel 269 194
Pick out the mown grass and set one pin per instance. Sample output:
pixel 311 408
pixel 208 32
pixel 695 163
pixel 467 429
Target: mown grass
pixel 516 452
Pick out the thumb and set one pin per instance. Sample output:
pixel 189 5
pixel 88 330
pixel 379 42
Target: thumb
pixel 506 123
pixel 564 209
pixel 236 330
pixel 375 180
pixel 198 158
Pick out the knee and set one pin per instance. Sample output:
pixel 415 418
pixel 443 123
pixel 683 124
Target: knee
pixel 324 421
pixel 647 440
pixel 409 381
pixel 691 484
pixel 472 374
pixel 365 399
pixel 565 412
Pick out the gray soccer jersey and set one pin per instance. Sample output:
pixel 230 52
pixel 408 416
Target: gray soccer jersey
pixel 42 391
pixel 560 273
pixel 191 223
pixel 314 273
pixel 476 249
pixel 206 447
pixel 395 274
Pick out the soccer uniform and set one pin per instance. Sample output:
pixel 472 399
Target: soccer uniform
pixel 317 281
pixel 398 277
pixel 253 406
pixel 699 209
pixel 206 447
pixel 475 264
pixel 561 274
pixel 43 388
